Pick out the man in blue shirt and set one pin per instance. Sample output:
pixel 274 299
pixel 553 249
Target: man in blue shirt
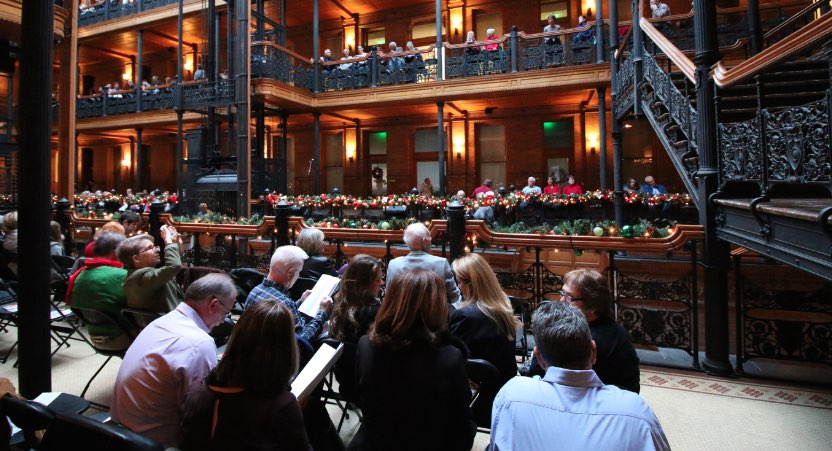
pixel 652 188
pixel 570 408
pixel 284 269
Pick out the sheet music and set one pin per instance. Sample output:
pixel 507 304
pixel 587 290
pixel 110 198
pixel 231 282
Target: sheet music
pixel 325 287
pixel 315 370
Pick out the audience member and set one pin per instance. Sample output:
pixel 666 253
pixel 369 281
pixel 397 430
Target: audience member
pixel 551 26
pixel 632 186
pixel 484 188
pixel 284 269
pixel 551 188
pixel 586 34
pixel 10 241
pixel 393 63
pixel 426 187
pixel 409 364
pixel 651 187
pixel 245 402
pixel 617 362
pixel 56 239
pixel 572 187
pixel 486 212
pixel 659 8
pixel 146 286
pixel 490 35
pixel 97 286
pixel 409 47
pixel 531 188
pixel 472 49
pixel 200 73
pixel 130 220
pixel 355 308
pixel 203 210
pixel 169 355
pixel 417 238
pixel 108 227
pixel 311 240
pixel 345 56
pixel 484 319
pixel 570 407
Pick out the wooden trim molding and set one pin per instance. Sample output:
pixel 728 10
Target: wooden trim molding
pixel 681 60
pixel 133 120
pixel 12 11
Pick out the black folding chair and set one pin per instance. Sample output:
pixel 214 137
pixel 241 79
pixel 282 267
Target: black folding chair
pixel 29 416
pixel 485 380
pixel 91 435
pixel 99 318
pixel 138 319
pixel 346 398
pixel 245 279
pixel 521 311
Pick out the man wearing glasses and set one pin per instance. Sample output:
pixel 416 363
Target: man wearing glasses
pixel 617 362
pixel 169 355
pixel 146 286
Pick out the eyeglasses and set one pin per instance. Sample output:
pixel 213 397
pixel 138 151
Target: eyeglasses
pixel 226 309
pixel 149 248
pixel 564 296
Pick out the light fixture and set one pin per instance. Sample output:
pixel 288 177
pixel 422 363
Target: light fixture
pixel 125 76
pixel 592 140
pixel 125 162
pixel 456 20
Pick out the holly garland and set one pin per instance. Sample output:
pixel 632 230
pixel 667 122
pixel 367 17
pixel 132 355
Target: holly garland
pixel 361 223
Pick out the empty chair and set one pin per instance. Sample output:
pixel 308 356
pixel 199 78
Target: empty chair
pixel 245 279
pixel 486 379
pixel 85 433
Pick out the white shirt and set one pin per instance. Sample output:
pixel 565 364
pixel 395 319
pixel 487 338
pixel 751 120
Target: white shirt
pixel 168 356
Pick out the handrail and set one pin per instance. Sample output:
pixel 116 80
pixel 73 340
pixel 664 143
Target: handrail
pixel 620 50
pixel 791 20
pixel 282 49
pixel 463 45
pixel 808 36
pixel 671 51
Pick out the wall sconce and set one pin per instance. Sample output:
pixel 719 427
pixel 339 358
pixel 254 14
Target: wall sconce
pixel 125 162
pixel 349 143
pixel 125 76
pixel 592 141
pixel 459 145
pixel 456 20
pixel 349 37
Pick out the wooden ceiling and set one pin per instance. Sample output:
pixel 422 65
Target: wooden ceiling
pixel 299 12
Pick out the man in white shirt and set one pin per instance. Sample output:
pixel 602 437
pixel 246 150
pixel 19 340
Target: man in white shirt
pixel 569 408
pixel 531 188
pixel 169 355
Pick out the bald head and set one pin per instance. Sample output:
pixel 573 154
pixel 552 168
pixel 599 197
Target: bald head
pixel 417 237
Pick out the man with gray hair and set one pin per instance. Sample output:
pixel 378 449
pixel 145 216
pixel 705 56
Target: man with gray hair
pixel 417 238
pixel 169 355
pixel 569 408
pixel 284 270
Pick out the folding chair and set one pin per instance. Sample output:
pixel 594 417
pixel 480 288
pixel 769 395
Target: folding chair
pixel 104 319
pixel 138 319
pixel 521 311
pixel 92 435
pixel 485 384
pixel 29 416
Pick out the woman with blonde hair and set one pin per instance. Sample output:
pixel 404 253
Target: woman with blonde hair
pixel 484 320
pixel 311 240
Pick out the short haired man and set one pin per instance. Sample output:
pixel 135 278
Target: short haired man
pixel 130 220
pixel 530 187
pixel 284 270
pixel 96 285
pixel 417 238
pixel 569 408
pixel 169 355
pixel 651 187
pixel 484 188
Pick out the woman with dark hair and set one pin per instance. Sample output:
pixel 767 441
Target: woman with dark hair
pixel 409 365
pixel 245 402
pixel 356 302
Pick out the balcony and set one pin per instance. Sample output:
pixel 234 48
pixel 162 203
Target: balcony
pixel 113 9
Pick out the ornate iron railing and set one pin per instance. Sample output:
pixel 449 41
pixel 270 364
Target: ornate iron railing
pixel 678 105
pixel 105 105
pixel 270 61
pixel 626 86
pixel 111 9
pixel 207 94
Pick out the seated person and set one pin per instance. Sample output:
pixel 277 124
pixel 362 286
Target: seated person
pixel 571 187
pixel 409 47
pixel 617 362
pixel 355 307
pixel 130 221
pixel 393 63
pixel 111 227
pixel 551 188
pixel 10 239
pixel 147 287
pixel 473 49
pixel 484 188
pixel 484 319
pixel 311 240
pixel 327 58
pixel 56 239
pixel 632 186
pixel 409 365
pixel 97 286
pixel 426 187
pixel 418 240
pixel 346 56
pixel 245 402
pixel 652 188
pixel 586 34
pixel 531 188
pixel 284 269
pixel 570 407
pixel 551 27
pixel 485 212
pixel 169 355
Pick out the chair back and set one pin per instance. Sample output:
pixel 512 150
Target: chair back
pixel 521 311
pixel 246 279
pixel 93 435
pixel 29 416
pixel 139 319
pixel 301 285
pixel 100 318
pixel 486 377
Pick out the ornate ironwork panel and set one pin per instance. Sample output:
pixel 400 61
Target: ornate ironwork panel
pixel 100 13
pixel 268 62
pixel 215 93
pixel 657 312
pixel 89 108
pixel 786 324
pixel 798 143
pixel 739 150
pixel 624 88
pixel 677 104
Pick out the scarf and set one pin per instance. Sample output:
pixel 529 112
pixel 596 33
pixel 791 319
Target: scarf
pixel 95 262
